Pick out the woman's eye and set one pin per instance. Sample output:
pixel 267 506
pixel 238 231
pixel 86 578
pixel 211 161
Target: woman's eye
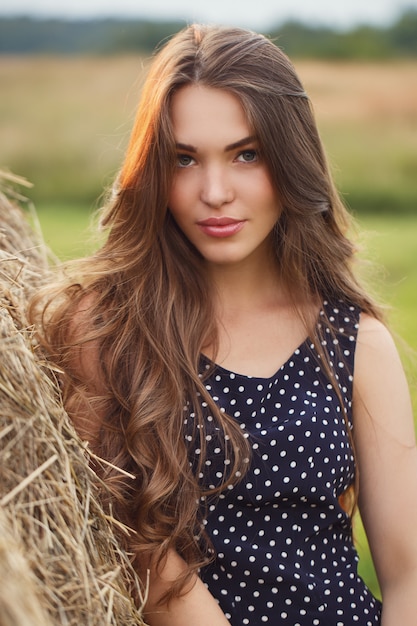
pixel 184 160
pixel 248 156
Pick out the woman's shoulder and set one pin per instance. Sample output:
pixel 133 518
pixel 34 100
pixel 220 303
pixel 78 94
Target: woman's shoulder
pixel 378 362
pixel 375 336
pixel 83 338
pixel 84 304
pixel 86 315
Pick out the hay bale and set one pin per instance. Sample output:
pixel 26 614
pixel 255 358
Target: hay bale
pixel 19 603
pixel 59 552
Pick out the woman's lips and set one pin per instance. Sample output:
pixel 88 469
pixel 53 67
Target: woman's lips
pixel 220 226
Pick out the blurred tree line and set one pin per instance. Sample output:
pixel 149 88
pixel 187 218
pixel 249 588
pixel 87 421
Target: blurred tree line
pixel 24 35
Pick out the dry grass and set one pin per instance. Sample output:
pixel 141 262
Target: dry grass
pixel 362 92
pixel 59 558
pixel 78 109
pixel 64 122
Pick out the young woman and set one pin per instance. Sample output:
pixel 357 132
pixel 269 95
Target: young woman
pixel 219 350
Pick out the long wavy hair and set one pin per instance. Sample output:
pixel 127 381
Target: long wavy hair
pixel 144 296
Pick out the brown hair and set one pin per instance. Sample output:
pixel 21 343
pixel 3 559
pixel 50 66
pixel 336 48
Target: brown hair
pixel 144 292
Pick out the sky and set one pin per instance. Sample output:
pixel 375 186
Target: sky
pixel 257 14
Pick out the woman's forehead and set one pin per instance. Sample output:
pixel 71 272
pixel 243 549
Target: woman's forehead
pixel 207 114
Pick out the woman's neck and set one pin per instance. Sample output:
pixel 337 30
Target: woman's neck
pixel 259 322
pixel 247 287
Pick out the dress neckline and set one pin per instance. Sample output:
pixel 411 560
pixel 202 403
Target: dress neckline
pixel 325 309
pixel 215 367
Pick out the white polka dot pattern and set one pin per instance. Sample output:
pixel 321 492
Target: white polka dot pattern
pixel 284 548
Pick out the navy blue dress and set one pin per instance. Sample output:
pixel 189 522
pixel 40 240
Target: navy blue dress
pixel 283 544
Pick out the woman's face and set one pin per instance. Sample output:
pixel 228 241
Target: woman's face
pixel 222 196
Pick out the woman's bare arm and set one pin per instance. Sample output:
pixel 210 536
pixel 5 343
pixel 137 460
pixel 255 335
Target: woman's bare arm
pixel 387 459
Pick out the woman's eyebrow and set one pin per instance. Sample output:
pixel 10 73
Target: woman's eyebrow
pixel 240 143
pixel 185 146
pixel 232 146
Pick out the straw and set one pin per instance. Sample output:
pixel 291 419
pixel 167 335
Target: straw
pixel 60 561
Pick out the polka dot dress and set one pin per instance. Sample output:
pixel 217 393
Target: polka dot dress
pixel 283 544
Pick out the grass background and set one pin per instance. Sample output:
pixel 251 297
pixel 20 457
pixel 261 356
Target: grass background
pixel 64 124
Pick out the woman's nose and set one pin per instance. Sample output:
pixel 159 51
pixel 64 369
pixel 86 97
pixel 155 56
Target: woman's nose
pixel 216 188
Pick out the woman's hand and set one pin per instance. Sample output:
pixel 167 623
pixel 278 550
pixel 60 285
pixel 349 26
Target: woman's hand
pixel 196 607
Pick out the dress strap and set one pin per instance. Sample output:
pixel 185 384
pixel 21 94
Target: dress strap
pixel 338 328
